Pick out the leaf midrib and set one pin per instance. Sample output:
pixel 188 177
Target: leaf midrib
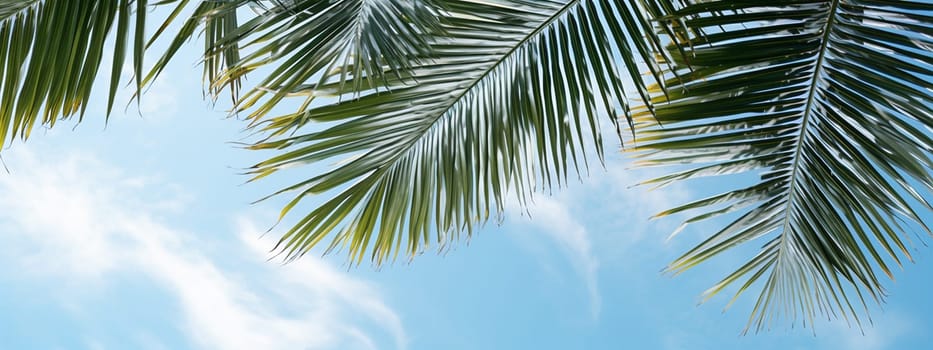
pixel 542 26
pixel 808 108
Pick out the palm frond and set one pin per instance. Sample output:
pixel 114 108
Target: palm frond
pixel 829 103
pixel 504 100
pixel 51 53
pixel 300 40
pixel 12 8
pixel 218 19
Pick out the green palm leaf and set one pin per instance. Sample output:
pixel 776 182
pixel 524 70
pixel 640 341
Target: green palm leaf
pixel 51 53
pixel 218 19
pixel 503 100
pixel 300 41
pixel 829 103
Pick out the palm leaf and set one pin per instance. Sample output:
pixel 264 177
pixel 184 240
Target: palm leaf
pixel 51 53
pixel 218 19
pixel 504 99
pixel 299 41
pixel 829 103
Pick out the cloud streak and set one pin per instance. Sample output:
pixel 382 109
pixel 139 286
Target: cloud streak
pixel 602 219
pixel 78 219
pixel 554 219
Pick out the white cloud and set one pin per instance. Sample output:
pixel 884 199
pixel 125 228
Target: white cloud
pixel 555 220
pixel 76 219
pixel 881 335
pixel 602 219
pixel 160 99
pixel 610 199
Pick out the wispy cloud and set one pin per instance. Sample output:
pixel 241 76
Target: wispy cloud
pixel 75 218
pixel 160 99
pixel 602 218
pixel 553 218
pixel 886 330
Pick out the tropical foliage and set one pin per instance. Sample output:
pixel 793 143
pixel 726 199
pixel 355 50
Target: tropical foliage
pixel 52 51
pixel 441 109
pixel 829 101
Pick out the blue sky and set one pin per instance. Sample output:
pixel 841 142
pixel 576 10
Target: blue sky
pixel 140 234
